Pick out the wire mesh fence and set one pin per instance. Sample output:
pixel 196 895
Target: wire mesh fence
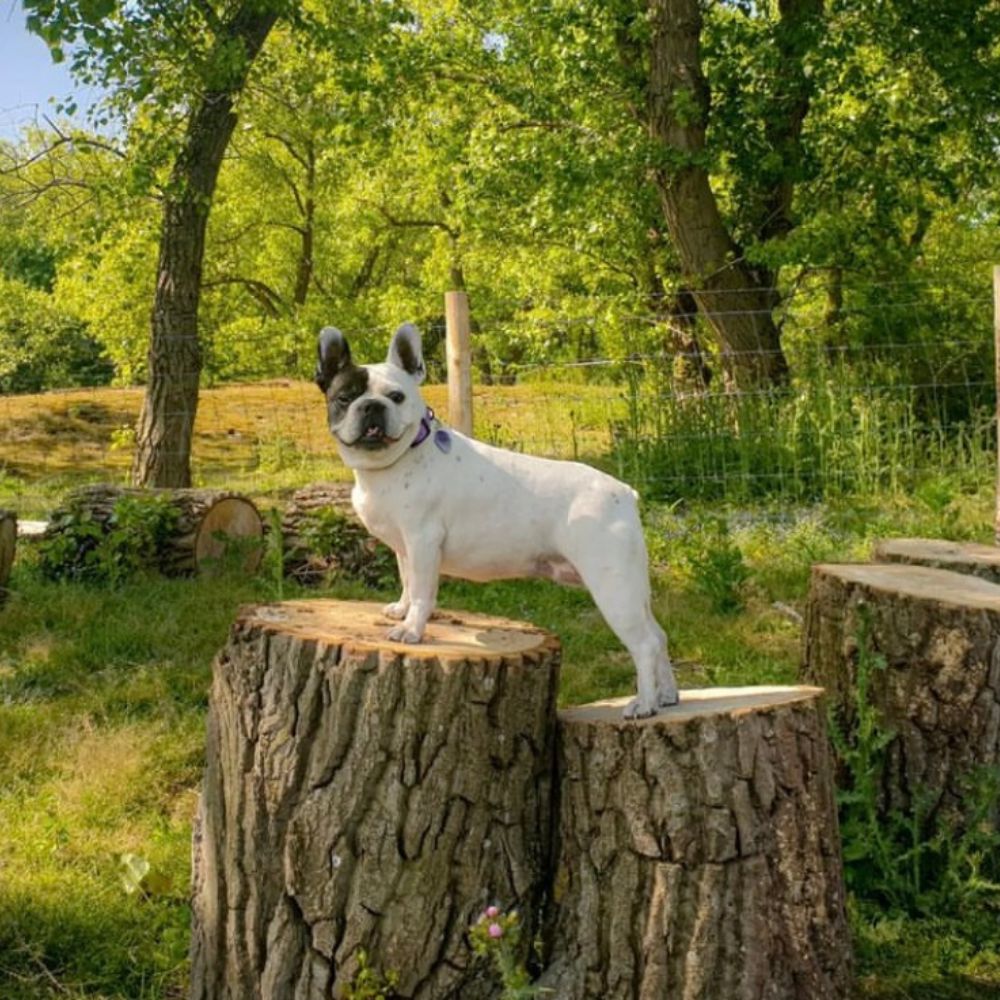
pixel 898 387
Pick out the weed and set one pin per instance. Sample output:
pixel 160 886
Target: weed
pixel 369 984
pixel 497 935
pixel 718 569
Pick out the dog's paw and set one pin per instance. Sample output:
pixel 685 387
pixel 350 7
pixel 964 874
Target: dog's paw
pixel 667 699
pixel 638 709
pixel 396 611
pixel 403 634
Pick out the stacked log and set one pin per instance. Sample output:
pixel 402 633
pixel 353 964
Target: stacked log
pixel 362 794
pixel 205 524
pixel 698 853
pixel 929 642
pixel 323 538
pixel 8 547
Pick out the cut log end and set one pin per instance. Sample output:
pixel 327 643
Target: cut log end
pixel 8 546
pixel 229 517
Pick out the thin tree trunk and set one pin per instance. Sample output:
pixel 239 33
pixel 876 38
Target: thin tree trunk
pixel 304 271
pixel 726 288
pixel 163 437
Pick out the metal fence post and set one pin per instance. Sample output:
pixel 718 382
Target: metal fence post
pixel 459 353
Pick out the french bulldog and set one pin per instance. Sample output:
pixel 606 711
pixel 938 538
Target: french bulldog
pixel 447 504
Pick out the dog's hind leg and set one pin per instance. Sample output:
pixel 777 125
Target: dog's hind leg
pixel 617 576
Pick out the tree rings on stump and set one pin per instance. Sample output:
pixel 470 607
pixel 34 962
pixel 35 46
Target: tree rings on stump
pixel 960 557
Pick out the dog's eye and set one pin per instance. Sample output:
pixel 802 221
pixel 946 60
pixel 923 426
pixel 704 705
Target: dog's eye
pixel 397 396
pixel 345 399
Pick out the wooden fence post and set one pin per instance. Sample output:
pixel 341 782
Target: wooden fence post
pixel 459 351
pixel 996 343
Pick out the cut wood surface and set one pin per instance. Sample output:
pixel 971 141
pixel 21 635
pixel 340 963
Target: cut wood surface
pixel 698 852
pixel 8 546
pixel 207 521
pixel 960 557
pixel 365 794
pixel 938 633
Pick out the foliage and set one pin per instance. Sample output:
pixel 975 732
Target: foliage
pixel 333 545
pixel 82 547
pixel 497 935
pixel 917 861
pixel 369 984
pixel 718 569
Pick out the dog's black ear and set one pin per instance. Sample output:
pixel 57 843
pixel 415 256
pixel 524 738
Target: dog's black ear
pixel 334 356
pixel 405 351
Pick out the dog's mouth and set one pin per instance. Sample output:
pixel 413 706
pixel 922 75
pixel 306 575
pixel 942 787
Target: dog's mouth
pixel 371 439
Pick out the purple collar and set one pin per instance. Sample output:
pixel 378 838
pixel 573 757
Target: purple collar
pixel 425 428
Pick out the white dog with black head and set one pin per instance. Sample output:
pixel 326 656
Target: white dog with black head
pixel 448 504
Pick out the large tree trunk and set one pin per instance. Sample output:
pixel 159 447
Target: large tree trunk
pixel 929 642
pixel 698 854
pixel 8 546
pixel 363 794
pixel 729 292
pixel 163 435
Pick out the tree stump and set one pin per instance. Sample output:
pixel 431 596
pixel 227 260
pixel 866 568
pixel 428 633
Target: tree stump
pixel 960 557
pixel 698 854
pixel 364 794
pixel 323 537
pixel 8 546
pixel 206 522
pixel 939 691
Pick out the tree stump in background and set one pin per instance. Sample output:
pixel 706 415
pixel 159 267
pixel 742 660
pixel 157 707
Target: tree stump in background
pixel 363 794
pixel 698 853
pixel 939 690
pixel 205 522
pixel 960 557
pixel 8 546
pixel 323 537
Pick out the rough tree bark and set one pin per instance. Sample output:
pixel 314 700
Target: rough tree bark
pixel 939 691
pixel 163 434
pixel 960 557
pixel 205 520
pixel 698 854
pixel 8 546
pixel 362 794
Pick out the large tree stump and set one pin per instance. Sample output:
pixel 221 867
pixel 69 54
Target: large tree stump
pixel 960 557
pixel 8 546
pixel 323 538
pixel 698 853
pixel 939 691
pixel 364 794
pixel 206 522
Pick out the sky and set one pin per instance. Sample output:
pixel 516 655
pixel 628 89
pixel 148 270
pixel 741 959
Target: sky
pixel 28 77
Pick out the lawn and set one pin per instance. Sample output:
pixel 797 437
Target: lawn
pixel 103 690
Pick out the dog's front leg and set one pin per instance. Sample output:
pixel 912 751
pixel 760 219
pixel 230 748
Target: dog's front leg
pixel 398 609
pixel 422 566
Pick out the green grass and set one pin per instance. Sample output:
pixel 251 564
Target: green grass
pixel 103 695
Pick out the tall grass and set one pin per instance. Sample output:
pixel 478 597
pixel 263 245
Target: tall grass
pixel 835 430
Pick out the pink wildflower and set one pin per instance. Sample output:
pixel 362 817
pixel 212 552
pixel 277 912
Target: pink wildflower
pixel 495 931
pixel 492 911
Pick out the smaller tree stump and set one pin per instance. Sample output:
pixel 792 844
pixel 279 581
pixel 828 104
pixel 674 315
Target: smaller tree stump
pixel 8 546
pixel 698 853
pixel 206 521
pixel 362 794
pixel 938 633
pixel 960 557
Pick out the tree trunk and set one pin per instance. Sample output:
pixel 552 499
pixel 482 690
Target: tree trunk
pixel 725 287
pixel 362 794
pixel 929 641
pixel 206 522
pixel 163 434
pixel 8 547
pixel 960 557
pixel 698 854
pixel 323 538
